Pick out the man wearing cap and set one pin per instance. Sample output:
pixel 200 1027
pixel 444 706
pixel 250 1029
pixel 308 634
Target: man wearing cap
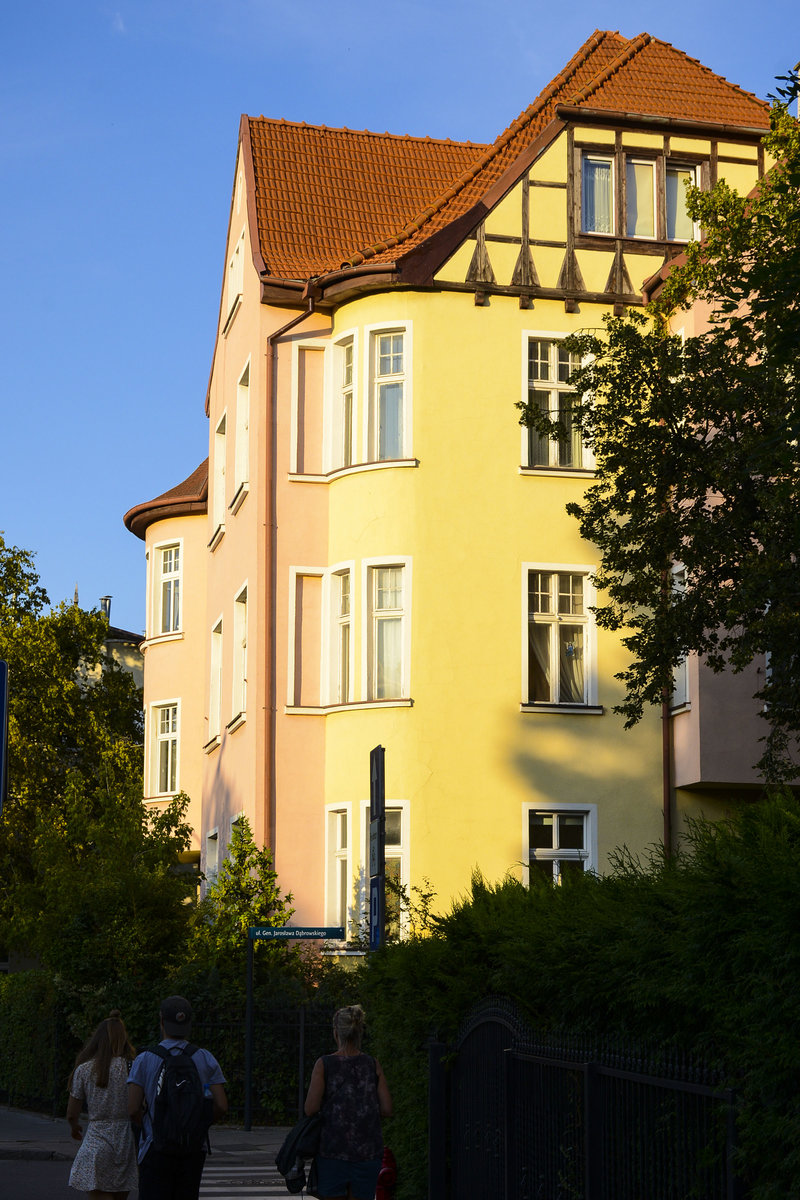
pixel 162 1176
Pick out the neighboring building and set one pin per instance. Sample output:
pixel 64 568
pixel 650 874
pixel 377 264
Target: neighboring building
pixel 124 646
pixel 380 552
pixel 173 527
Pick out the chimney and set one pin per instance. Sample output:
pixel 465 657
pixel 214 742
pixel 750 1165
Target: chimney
pixel 105 607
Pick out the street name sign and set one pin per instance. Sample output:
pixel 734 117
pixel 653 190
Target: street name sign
pixel 268 933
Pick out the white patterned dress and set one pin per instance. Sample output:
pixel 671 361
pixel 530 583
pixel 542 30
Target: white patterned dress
pixel 106 1158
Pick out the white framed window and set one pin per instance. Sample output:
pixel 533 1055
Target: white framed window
pixel 389 407
pixel 387 604
pixel 655 202
pixel 239 706
pixel 342 658
pixel 559 654
pixel 558 839
pixel 597 193
pixel 549 367
pixel 344 455
pixel 168 587
pixel 640 198
pixel 164 734
pixel 397 853
pixel 218 480
pixel 235 280
pixel 241 476
pixel 680 227
pixel 212 856
pixel 680 672
pixel 215 685
pixel 338 867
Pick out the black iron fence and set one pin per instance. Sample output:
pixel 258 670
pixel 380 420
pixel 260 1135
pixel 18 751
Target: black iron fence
pixel 515 1117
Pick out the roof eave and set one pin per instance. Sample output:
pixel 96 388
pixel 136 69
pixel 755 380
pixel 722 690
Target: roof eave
pixel 583 115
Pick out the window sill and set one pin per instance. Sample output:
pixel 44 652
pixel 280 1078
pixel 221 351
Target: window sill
pixel 158 639
pixel 581 710
pixel 355 469
pixel 562 472
pixel 239 497
pixel 680 708
pixel 160 798
pixel 212 745
pixel 324 709
pixel 217 536
pixel 237 722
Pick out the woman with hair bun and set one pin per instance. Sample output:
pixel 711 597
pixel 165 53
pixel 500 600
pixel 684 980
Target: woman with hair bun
pixel 349 1089
pixel 105 1165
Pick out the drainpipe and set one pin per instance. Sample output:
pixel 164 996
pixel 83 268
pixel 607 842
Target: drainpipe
pixel 271 458
pixel 666 771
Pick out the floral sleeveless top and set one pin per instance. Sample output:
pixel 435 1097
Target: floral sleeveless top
pixel 351 1119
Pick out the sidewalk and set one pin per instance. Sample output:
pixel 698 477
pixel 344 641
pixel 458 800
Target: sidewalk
pixel 31 1136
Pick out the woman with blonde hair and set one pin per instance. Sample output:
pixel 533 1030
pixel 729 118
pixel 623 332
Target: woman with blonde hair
pixel 105 1165
pixel 350 1091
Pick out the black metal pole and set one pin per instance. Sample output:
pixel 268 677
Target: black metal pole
pixel 301 1064
pixel 248 1045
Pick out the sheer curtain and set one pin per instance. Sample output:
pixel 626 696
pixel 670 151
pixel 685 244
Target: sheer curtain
pixel 597 195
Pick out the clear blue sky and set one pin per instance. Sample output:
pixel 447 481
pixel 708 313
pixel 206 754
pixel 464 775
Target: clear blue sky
pixel 118 137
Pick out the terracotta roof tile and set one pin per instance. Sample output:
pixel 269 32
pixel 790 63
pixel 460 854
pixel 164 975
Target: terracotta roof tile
pixel 332 197
pixel 190 496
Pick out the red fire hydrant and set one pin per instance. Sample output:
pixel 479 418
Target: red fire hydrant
pixel 387 1176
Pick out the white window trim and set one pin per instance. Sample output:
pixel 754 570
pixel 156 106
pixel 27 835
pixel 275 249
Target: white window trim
pixel 405 849
pixel 320 343
pixel 588 469
pixel 234 281
pixel 330 644
pixel 368 433
pixel 239 685
pixel 591 706
pixel 241 478
pixel 218 481
pixel 588 810
pixel 641 160
pixel 367 567
pixel 314 573
pixel 605 157
pixel 153 743
pixel 211 835
pixel 153 619
pixel 331 917
pixel 215 685
pixel 332 436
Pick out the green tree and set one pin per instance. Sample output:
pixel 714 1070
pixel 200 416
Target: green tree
pixel 246 892
pixel 90 885
pixel 698 453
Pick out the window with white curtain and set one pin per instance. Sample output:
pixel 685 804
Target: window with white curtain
pixel 387 618
pixel 559 667
pixel 169 588
pixel 164 743
pixel 342 690
pixel 345 391
pixel 647 194
pixel 549 369
pixel 387 416
pixel 597 207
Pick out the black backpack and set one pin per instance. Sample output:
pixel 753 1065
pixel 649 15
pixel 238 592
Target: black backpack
pixel 181 1113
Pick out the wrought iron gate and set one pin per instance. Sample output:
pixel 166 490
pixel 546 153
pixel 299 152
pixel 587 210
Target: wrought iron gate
pixel 513 1118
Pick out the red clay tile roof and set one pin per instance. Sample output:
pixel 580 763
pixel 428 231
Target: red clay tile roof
pixel 327 198
pixel 185 498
